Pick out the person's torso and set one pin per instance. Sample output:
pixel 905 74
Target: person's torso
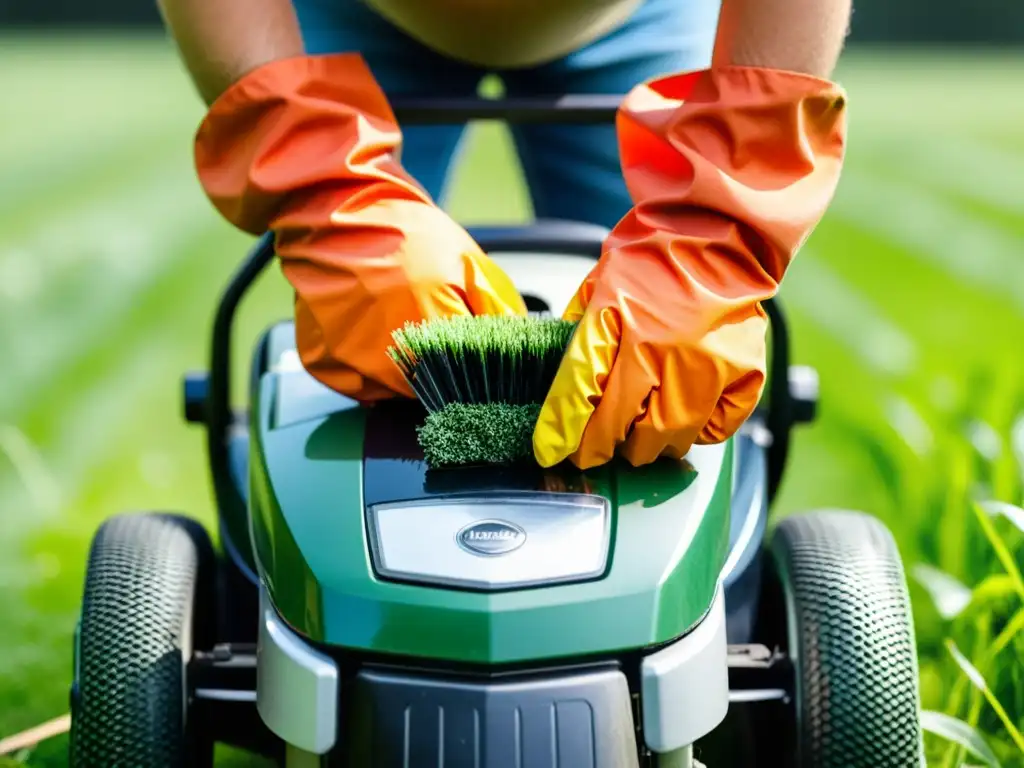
pixel 505 33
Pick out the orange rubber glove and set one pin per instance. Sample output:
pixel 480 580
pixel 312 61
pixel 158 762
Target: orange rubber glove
pixel 308 148
pixel 730 169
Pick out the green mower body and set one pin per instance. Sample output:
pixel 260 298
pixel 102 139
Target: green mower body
pixel 362 546
pixel 363 551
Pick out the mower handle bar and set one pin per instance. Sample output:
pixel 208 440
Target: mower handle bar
pixel 548 110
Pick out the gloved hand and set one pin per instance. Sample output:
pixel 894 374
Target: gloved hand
pixel 308 148
pixel 730 169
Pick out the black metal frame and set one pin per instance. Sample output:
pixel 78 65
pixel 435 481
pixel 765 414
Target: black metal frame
pixel 535 110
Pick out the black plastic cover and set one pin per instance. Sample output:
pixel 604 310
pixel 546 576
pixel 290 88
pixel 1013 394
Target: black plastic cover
pixel 575 720
pixel 196 391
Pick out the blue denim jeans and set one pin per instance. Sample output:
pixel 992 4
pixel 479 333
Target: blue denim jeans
pixel 572 171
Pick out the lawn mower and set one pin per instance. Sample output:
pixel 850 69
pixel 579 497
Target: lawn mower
pixel 364 609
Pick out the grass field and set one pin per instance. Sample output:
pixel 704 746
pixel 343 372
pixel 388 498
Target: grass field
pixel 909 299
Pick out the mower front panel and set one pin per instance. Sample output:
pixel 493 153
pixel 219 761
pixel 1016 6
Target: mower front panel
pixel 382 712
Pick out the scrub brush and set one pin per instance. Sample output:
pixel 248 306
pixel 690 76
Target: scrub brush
pixel 482 381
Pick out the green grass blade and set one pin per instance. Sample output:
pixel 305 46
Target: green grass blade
pixel 983 513
pixel 959 733
pixel 992 589
pixel 1013 628
pixel 978 681
pixel 1017 445
pixel 1011 512
pixel 949 595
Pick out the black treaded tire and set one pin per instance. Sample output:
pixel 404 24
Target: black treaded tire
pixel 850 634
pixel 147 601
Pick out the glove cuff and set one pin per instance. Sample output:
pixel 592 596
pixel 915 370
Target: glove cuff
pixel 732 160
pixel 300 126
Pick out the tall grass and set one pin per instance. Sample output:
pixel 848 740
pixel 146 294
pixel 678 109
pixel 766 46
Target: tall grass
pixel 955 470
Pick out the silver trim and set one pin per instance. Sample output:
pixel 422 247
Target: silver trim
pixel 748 487
pixel 224 694
pixel 764 694
pixel 296 686
pixel 566 539
pixel 685 687
pixel 803 382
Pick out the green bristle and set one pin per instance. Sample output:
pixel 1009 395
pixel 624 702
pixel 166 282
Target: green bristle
pixel 485 359
pixel 482 380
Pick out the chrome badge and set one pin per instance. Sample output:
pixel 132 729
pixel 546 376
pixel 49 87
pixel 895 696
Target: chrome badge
pixel 491 537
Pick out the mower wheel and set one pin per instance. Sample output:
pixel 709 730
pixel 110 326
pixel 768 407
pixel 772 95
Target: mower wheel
pixel 148 599
pixel 850 634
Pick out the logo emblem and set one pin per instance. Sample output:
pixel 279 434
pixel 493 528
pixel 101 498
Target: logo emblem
pixel 491 537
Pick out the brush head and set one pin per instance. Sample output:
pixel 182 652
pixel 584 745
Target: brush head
pixel 482 380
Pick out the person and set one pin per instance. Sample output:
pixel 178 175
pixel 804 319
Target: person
pixel 726 153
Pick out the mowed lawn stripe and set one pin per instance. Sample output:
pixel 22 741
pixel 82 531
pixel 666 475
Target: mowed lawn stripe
pixel 37 190
pixel 940 94
pixel 850 317
pixel 74 414
pixel 985 257
pixel 952 279
pixel 825 468
pixel 73 94
pixel 965 167
pixel 952 323
pixel 77 277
